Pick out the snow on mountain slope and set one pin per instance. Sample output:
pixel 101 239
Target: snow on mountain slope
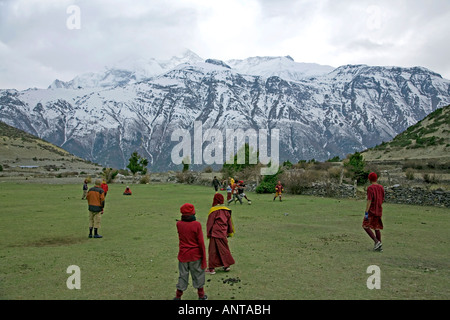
pixel 126 71
pixel 133 70
pixel 283 67
pixel 348 109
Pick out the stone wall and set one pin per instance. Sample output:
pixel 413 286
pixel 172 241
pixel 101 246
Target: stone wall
pixel 394 194
pixel 417 196
pixel 333 190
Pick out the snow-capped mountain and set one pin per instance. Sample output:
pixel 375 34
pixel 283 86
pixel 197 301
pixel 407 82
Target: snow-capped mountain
pixel 126 71
pixel 349 109
pixel 132 70
pixel 283 67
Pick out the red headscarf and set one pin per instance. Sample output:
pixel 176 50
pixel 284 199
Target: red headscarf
pixel 218 199
pixel 187 209
pixel 373 177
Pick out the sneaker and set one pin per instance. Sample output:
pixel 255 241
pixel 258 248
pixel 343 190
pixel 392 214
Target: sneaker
pixel 205 297
pixel 377 246
pixel 98 236
pixel 226 269
pixel 211 271
pixel 90 236
pixel 176 298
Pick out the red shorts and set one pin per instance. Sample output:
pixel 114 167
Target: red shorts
pixel 373 222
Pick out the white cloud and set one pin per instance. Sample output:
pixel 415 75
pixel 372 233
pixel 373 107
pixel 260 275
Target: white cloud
pixel 37 47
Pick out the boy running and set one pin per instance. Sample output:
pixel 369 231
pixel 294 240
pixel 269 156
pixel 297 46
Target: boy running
pixel 278 190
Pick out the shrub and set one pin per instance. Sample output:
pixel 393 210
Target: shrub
pixel 185 177
pixel 145 179
pixel 297 181
pixel 334 173
pixel 409 174
pixel 268 184
pixel 428 178
pixel 109 174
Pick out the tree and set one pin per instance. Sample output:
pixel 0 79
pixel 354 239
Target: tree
pixel 232 168
pixel 269 182
pixel 357 165
pixel 109 174
pixel 137 163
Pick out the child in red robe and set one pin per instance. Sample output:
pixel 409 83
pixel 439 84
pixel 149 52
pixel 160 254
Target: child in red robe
pixel 374 211
pixel 191 254
pixel 218 228
pixel 127 191
pixel 278 190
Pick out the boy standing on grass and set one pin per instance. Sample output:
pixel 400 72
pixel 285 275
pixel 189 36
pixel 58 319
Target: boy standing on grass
pixel 218 228
pixel 85 189
pixel 229 192
pixel 191 254
pixel 96 203
pixel 374 211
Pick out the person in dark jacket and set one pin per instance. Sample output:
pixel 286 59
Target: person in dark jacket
pixel 85 189
pixel 216 183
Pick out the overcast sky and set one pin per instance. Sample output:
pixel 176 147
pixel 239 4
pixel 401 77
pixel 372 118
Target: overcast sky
pixel 41 40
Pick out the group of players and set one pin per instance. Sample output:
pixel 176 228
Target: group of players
pixel 236 190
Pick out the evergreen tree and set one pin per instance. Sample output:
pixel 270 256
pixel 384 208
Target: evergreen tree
pixel 137 163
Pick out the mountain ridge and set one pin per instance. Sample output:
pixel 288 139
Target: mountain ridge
pixel 349 109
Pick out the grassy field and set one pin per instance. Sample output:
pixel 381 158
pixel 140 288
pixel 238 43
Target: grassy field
pixel 301 248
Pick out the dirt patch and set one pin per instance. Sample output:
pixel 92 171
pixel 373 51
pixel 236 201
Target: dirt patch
pixel 53 242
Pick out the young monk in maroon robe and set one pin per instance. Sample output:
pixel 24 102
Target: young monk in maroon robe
pixel 218 228
pixel 374 211
pixel 191 254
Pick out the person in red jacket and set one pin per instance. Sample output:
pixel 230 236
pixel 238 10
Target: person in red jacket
pixel 104 186
pixel 218 228
pixel 127 191
pixel 374 211
pixel 191 254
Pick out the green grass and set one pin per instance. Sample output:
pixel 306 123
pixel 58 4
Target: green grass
pixel 317 251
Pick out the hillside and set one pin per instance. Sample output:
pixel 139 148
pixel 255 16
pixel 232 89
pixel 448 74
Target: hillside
pixel 23 155
pixel 427 139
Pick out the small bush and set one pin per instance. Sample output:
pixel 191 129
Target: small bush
pixel 208 169
pixel 145 179
pixel 185 177
pixel 296 182
pixel 409 174
pixel 431 178
pixel 268 184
